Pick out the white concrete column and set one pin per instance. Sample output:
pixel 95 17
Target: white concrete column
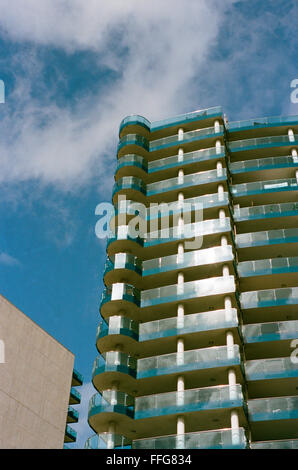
pixel 218 147
pixel 225 271
pixel 296 174
pixel 180 316
pixel 223 240
pixel 180 155
pixel 180 133
pixel 115 387
pixel 294 155
pixel 180 391
pixel 180 278
pixel 230 344
pixel 222 214
pixel 219 169
pixel 180 176
pixel 232 384
pixel 235 427
pixel 111 438
pixel 180 439
pixel 220 192
pixel 180 197
pixel 180 351
pixel 228 308
pixel 291 135
pixel 216 126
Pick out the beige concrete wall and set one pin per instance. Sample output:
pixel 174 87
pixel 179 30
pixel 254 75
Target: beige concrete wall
pixel 35 382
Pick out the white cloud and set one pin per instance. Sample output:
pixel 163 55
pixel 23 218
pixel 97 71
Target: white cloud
pixel 8 260
pixel 156 49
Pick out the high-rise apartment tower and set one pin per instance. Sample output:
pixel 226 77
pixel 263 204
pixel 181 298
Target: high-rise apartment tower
pixel 197 342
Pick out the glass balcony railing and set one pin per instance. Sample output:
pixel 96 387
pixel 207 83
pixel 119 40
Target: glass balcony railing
pixel 267 211
pixel 270 163
pixel 277 368
pixel 262 122
pixel 195 179
pixel 269 237
pixel 111 401
pixel 70 434
pixel 186 159
pixel 265 267
pixel 275 331
pixel 107 440
pixel 269 409
pixel 216 254
pixel 133 139
pixel 172 234
pixel 269 298
pixel 114 361
pixel 132 160
pixel 259 187
pixel 196 322
pixel 75 395
pixel 123 261
pixel 198 359
pixel 182 118
pixel 193 323
pixel 281 444
pixel 188 290
pixel 219 439
pixel 205 202
pixel 262 142
pixel 135 119
pixel 120 291
pixel 187 137
pixel 208 398
pixel 73 414
pixel 129 182
pixel 118 325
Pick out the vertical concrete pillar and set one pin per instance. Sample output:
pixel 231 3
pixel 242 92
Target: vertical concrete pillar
pixel 220 192
pixel 180 316
pixel 218 147
pixel 223 240
pixel 180 439
pixel 180 391
pixel 219 169
pixel 235 427
pixel 180 351
pixel 230 344
pixel 232 384
pixel 225 271
pixel 180 155
pixel 180 176
pixel 111 436
pixel 228 308
pixel 216 126
pixel 291 135
pixel 180 133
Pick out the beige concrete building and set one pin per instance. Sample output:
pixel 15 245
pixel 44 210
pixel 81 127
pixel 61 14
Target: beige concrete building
pixel 36 375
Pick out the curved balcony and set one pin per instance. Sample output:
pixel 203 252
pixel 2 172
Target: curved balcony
pixel 203 325
pixel 272 121
pixel 191 136
pixel 218 439
pixel 122 264
pixel 119 295
pixel 72 415
pixel 189 401
pixel 115 362
pixel 132 143
pixel 131 163
pixel 276 444
pixel 101 406
pixel 193 181
pixel 75 397
pixel 198 359
pixel 261 143
pixel 266 190
pixel 274 331
pixel 186 118
pixel 107 440
pixel 130 186
pixel 135 120
pixel 115 326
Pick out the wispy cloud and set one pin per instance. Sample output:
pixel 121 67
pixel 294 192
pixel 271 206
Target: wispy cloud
pixel 8 260
pixel 153 49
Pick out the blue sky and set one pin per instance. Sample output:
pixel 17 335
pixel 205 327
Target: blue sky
pixel 72 70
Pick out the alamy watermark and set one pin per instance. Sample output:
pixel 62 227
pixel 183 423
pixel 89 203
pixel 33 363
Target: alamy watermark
pixel 167 221
pixel 2 92
pixel 294 94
